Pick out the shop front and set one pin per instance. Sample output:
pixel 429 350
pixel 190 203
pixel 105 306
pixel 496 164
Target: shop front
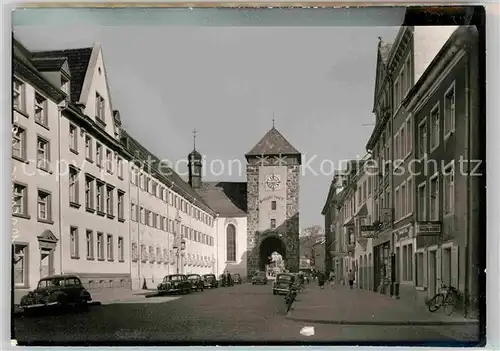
pixel 382 263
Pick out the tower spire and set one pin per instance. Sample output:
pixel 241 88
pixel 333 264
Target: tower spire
pixel 194 138
pixel 274 119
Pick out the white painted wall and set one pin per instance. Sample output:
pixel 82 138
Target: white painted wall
pixel 240 266
pixel 25 230
pixel 85 220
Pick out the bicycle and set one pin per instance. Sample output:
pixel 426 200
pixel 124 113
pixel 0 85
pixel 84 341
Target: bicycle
pixel 447 298
pixel 290 296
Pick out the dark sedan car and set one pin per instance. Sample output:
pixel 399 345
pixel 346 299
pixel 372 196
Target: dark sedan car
pixel 282 283
pixel 236 278
pixel 210 281
pixel 196 282
pixel 259 278
pixel 174 283
pixel 57 291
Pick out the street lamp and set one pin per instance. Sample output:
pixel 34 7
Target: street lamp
pixel 179 243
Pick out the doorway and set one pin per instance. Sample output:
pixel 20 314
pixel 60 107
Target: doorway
pixel 432 264
pixel 46 263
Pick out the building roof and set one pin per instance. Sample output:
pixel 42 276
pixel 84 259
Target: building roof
pixel 78 61
pixel 229 199
pixel 273 143
pixel 164 173
pixel 22 64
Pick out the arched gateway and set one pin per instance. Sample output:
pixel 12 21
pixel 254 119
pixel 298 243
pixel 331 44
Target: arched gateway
pixel 273 172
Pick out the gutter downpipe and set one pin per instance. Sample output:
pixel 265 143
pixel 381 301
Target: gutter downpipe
pixel 59 110
pixel 138 218
pixel 468 153
pixel 393 241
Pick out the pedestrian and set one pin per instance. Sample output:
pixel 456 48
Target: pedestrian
pixel 351 278
pixel 332 280
pixel 321 280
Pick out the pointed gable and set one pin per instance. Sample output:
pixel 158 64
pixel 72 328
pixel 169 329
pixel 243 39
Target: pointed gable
pixel 383 54
pixel 273 143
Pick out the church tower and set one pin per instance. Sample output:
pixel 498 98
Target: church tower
pixel 273 172
pixel 194 165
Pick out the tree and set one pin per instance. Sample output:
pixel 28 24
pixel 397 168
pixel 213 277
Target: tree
pixel 307 238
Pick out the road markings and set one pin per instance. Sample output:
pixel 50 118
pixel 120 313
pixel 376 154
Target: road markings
pixel 157 299
pixel 307 331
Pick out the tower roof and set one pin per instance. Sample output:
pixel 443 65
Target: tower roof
pixel 194 155
pixel 273 143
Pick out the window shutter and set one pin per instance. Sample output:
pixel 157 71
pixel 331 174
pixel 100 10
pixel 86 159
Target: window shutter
pixel 424 272
pixel 438 269
pixel 454 266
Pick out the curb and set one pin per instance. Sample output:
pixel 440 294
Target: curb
pixel 365 322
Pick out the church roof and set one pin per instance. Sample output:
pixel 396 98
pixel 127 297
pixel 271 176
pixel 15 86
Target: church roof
pixel 229 199
pixel 273 143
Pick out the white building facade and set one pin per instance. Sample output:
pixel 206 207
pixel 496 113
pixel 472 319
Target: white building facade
pixel 105 210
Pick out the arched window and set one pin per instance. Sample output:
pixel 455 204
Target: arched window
pixel 231 243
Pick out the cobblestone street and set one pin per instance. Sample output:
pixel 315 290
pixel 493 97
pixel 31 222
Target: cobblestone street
pixel 243 313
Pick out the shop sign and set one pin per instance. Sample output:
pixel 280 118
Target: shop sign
pixel 429 228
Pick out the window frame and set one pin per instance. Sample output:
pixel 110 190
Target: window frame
pixel 451 196
pixel 43 105
pixel 73 143
pixel 452 120
pixel 48 205
pixel 424 203
pixel 434 216
pixel 423 122
pixel 436 136
pixel 22 141
pixel 74 249
pixel 45 166
pixel 231 243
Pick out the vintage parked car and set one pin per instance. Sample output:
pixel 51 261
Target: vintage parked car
pixel 259 278
pixel 282 283
pixel 210 281
pixel 174 283
pixel 57 291
pixel 236 278
pixel 196 282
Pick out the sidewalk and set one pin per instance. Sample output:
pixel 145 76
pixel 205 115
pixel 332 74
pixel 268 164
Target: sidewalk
pixel 358 307
pixel 109 296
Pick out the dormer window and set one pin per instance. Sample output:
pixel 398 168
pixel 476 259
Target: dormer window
pixel 65 85
pixel 99 107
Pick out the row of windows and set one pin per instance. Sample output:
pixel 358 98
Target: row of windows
pixel 103 157
pixel 100 246
pixel 155 220
pixel 403 199
pixel 157 190
pixel 20 203
pixel 432 126
pixel 159 254
pixel 39 107
pixel 99 196
pixel 19 148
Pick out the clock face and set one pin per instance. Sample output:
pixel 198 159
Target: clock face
pixel 273 181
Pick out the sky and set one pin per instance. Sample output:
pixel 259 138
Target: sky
pixel 227 79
